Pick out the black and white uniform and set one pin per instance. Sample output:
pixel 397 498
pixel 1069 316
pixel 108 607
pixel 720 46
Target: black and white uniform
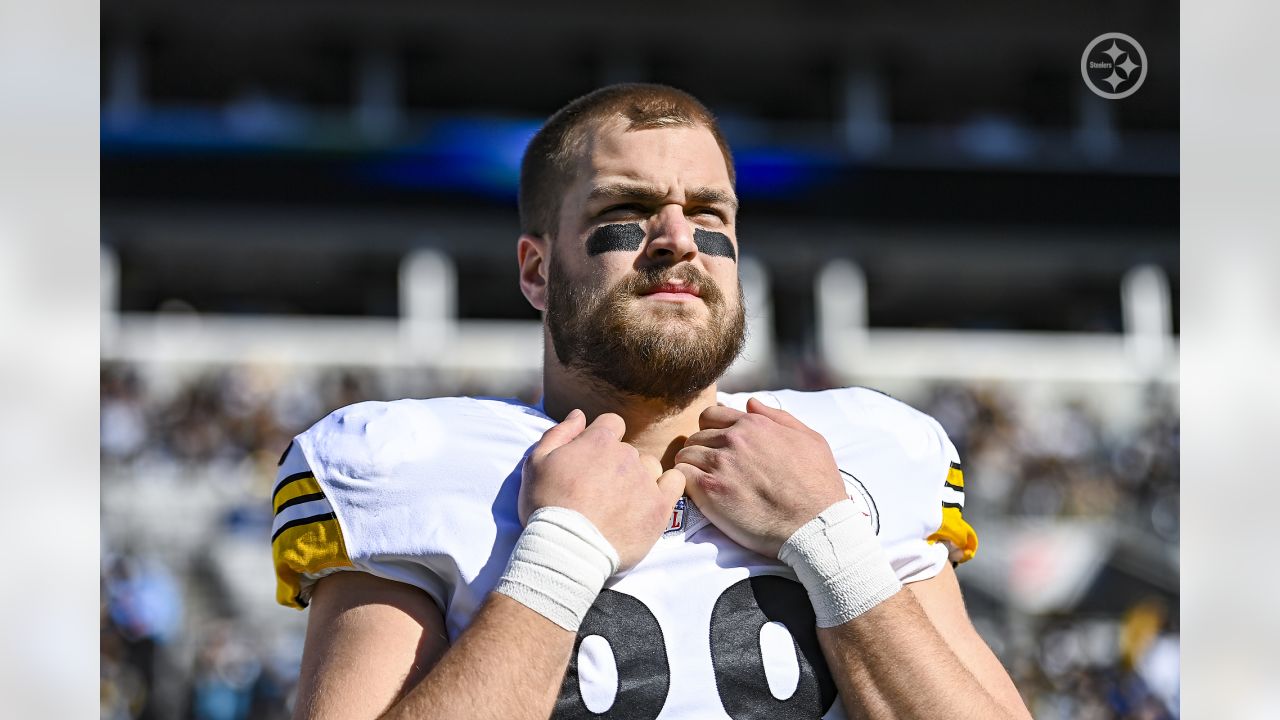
pixel 424 492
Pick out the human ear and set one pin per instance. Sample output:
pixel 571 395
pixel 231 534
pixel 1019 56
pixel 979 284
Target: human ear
pixel 531 253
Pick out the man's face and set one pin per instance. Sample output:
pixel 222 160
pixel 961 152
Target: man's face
pixel 642 288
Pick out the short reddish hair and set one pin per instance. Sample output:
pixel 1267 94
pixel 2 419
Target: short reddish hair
pixel 547 169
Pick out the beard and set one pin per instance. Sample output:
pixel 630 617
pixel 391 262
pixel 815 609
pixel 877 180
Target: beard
pixel 656 353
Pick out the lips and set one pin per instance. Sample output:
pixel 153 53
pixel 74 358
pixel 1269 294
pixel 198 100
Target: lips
pixel 674 289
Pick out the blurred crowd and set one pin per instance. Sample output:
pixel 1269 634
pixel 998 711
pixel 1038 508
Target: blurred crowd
pixel 230 676
pixel 1062 460
pixel 168 651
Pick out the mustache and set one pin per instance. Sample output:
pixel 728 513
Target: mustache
pixel 647 278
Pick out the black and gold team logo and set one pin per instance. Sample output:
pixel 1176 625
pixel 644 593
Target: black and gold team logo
pixel 862 499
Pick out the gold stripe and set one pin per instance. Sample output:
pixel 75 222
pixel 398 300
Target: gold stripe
pixel 954 528
pixel 306 550
pixel 301 486
pixel 957 531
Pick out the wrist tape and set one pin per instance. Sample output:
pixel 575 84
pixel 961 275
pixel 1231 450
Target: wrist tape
pixel 840 562
pixel 559 566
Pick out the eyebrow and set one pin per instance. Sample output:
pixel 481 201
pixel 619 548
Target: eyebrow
pixel 648 193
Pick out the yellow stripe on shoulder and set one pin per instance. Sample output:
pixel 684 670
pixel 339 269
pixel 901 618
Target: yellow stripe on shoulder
pixel 295 488
pixel 306 550
pixel 955 531
pixel 958 535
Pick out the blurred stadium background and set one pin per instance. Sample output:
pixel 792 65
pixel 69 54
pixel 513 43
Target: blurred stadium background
pixel 311 204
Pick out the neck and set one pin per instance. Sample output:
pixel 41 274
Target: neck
pixel 654 427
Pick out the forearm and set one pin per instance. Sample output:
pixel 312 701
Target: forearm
pixel 894 652
pixel 379 648
pixel 891 662
pixel 509 663
pixel 889 657
pixel 511 660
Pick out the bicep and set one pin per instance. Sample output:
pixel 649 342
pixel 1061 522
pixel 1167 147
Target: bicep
pixel 369 641
pixel 942 603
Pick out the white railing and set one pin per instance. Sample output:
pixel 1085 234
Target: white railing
pixel 429 334
pixel 1145 352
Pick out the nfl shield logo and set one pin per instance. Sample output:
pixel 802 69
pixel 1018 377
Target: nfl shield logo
pixel 677 517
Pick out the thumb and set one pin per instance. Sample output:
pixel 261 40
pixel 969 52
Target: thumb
pixel 671 485
pixel 782 417
pixel 611 424
pixel 560 435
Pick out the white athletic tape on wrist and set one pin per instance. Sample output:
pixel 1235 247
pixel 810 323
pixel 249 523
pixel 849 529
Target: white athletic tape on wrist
pixel 559 566
pixel 840 562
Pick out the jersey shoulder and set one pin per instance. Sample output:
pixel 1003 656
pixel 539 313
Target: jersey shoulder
pixel 894 455
pixel 860 415
pixel 917 432
pixel 373 438
pixel 371 486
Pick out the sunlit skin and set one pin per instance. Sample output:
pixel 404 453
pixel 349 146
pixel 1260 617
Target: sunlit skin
pixel 671 181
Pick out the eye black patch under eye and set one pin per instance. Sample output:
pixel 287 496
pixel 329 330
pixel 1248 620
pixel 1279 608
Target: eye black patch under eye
pixel 615 238
pixel 714 243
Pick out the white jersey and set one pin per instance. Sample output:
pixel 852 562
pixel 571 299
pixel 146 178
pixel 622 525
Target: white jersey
pixel 424 492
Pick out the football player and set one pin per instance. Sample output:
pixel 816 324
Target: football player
pixel 638 545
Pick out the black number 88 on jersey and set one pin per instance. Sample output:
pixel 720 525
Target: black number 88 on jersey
pixel 644 674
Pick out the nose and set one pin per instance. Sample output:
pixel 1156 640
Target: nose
pixel 670 236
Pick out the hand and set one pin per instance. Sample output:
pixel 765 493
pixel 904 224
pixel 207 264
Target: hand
pixel 759 475
pixel 589 469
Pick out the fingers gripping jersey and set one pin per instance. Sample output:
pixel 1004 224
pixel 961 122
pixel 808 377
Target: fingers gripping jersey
pixel 424 492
